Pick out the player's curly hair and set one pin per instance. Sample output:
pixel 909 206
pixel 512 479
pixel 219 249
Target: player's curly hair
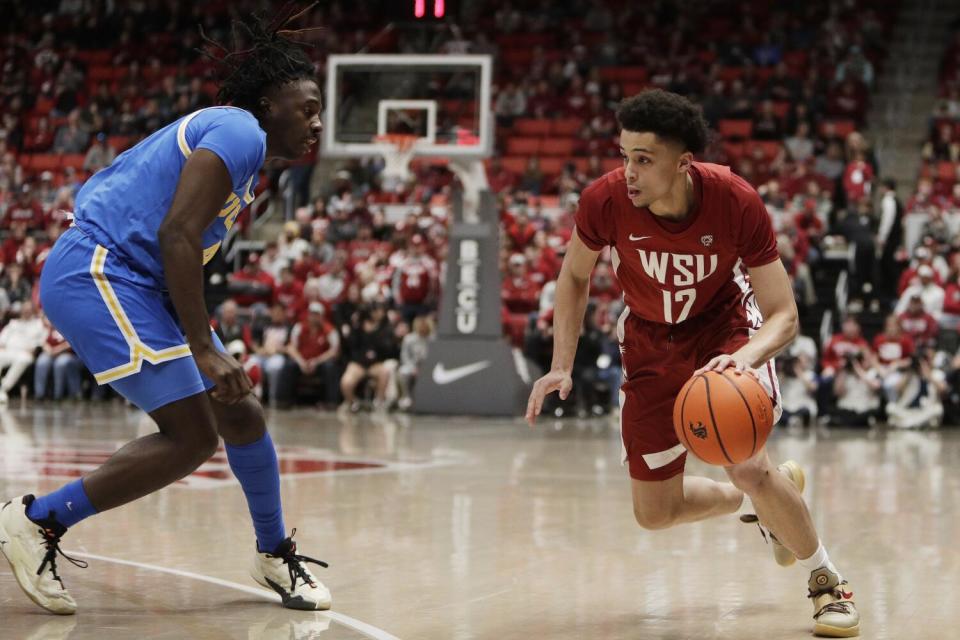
pixel 271 59
pixel 668 115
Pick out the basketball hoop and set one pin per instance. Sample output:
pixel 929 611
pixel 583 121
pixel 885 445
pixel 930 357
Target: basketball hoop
pixel 397 150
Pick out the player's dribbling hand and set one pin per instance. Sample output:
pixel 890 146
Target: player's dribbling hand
pixel 231 382
pixel 553 381
pixel 726 361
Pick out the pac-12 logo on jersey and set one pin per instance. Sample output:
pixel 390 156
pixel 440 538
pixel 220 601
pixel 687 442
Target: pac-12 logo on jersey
pixel 706 240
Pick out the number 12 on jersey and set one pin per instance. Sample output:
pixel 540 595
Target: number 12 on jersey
pixel 684 297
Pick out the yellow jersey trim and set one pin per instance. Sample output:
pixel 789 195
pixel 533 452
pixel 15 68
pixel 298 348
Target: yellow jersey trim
pixel 138 350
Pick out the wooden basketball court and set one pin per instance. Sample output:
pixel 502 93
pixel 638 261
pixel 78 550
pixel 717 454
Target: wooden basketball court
pixel 456 528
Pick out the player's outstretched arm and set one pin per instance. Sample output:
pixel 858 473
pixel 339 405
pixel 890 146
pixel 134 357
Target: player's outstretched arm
pixel 573 287
pixel 203 188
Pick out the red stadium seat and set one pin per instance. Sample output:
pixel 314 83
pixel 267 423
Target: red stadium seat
pixel 567 126
pixel 624 74
pixel 74 160
pixel 946 172
pixel 557 147
pixel 842 128
pixel 796 60
pixel 43 106
pixel 552 166
pixel 518 146
pixel 516 57
pixel 735 129
pixel 119 143
pixel 734 151
pixel 729 74
pixel 514 164
pixel 525 40
pixel 781 109
pixel 38 162
pixel 770 148
pixel 531 127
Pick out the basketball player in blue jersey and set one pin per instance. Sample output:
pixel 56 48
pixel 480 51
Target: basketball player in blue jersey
pixel 124 285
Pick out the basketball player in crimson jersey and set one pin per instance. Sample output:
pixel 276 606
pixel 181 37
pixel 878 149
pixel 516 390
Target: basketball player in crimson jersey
pixel 696 256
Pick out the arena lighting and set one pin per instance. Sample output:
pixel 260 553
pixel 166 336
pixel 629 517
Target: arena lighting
pixel 420 8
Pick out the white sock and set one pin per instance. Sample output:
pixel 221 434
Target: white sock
pixel 817 560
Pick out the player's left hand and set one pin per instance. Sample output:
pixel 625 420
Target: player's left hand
pixel 726 361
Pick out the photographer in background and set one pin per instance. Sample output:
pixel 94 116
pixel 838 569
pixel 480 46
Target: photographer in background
pixel 856 386
pixel 798 388
pixel 916 400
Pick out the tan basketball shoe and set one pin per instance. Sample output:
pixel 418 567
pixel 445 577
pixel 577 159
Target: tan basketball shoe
pixel 834 613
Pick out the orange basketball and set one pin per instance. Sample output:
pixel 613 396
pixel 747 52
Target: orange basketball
pixel 723 418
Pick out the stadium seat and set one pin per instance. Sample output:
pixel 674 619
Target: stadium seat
pixel 531 127
pixel 735 129
pixel 624 74
pixel 946 172
pixel 74 160
pixel 733 150
pixel 770 148
pixel 514 164
pixel 729 74
pixel 519 146
pixel 119 143
pixel 38 162
pixel 842 127
pixel 552 166
pixel 567 126
pixel 781 109
pixel 557 147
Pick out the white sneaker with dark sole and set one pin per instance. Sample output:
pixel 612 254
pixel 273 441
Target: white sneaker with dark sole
pixel 285 572
pixel 31 549
pixel 834 613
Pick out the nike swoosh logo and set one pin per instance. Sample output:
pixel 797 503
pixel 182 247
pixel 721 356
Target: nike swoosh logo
pixel 634 238
pixel 69 507
pixel 846 595
pixel 442 375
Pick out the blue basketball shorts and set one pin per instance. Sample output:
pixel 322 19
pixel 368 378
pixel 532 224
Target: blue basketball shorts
pixel 124 331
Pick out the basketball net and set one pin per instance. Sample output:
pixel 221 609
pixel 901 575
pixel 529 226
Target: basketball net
pixel 397 150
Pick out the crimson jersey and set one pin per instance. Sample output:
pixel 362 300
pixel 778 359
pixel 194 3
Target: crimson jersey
pixel 671 272
pixel 892 349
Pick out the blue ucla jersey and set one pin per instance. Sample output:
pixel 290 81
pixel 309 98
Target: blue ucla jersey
pixel 122 206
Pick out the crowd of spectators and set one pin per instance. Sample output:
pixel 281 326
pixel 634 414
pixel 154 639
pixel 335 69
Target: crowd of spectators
pixel 338 309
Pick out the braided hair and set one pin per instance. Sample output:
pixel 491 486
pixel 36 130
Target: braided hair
pixel 272 60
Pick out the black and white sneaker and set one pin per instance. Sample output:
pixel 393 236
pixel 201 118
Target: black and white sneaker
pixel 284 571
pixel 31 548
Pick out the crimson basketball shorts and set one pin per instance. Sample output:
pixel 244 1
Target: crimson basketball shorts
pixel 658 359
